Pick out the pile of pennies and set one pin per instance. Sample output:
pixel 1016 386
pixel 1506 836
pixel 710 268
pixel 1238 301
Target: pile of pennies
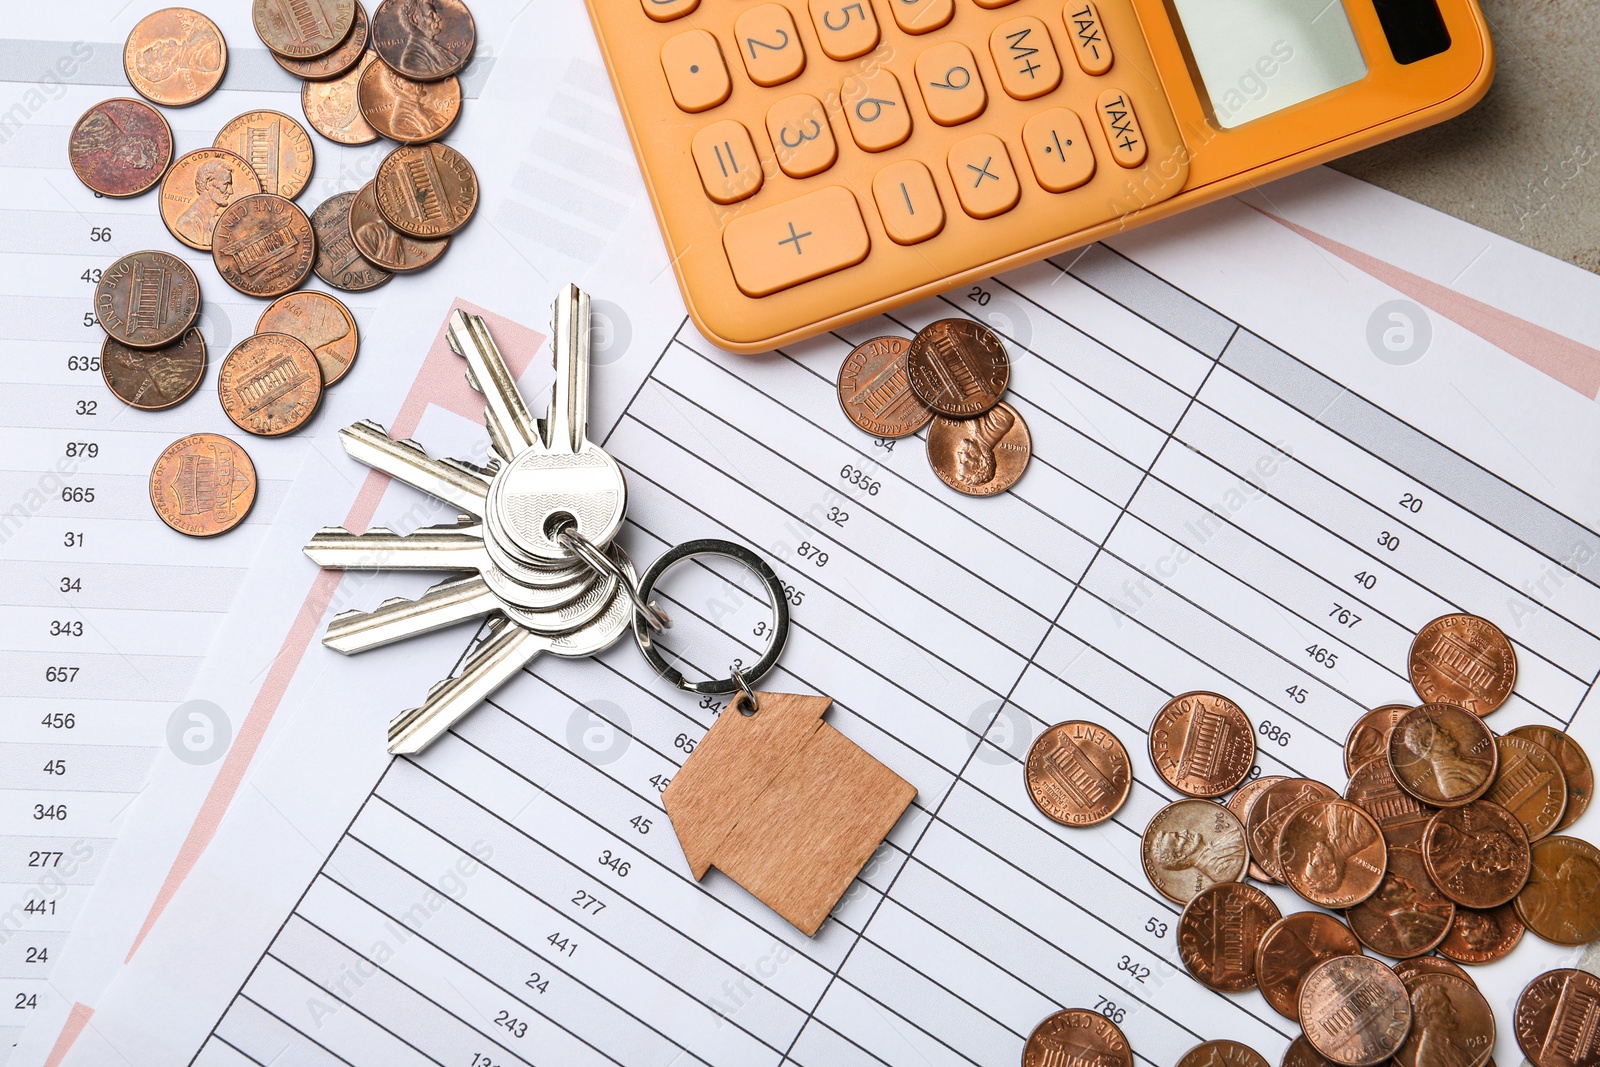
pixel 393 76
pixel 953 375
pixel 1442 850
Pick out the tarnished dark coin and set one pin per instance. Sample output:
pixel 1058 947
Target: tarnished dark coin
pixel 980 456
pixel 1191 845
pixel 1270 810
pixel 147 299
pixel 1332 853
pixel 1401 816
pixel 1477 854
pixel 339 263
pixel 197 189
pixel 152 379
pixel 1369 737
pixel 1574 766
pixel 407 111
pixel 875 389
pixel 1222 1054
pixel 1291 948
pixel 203 485
pixel 1482 936
pixel 426 190
pixel 1240 803
pixel 1408 915
pixel 1530 784
pixel 958 367
pixel 322 324
pixel 425 40
pixel 1463 660
pixel 175 57
pixel 1202 744
pixel 1078 773
pixel 333 107
pixel 1451 1023
pixel 1301 1054
pixel 120 147
pixel 1442 755
pixel 1411 969
pixel 1077 1035
pixel 276 147
pixel 1561 902
pixel 270 384
pixel 1554 1021
pixel 1354 1011
pixel 334 63
pixel 303 29
pixel 1219 932
pixel 263 245
pixel 382 244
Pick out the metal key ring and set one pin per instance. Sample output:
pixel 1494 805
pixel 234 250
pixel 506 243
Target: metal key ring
pixel 591 554
pixel 739 554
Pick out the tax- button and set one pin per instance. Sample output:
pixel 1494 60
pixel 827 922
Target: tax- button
pixel 1058 150
pixel 696 73
pixel 1025 58
pixel 726 159
pixel 984 179
pixel 951 87
pixel 794 242
pixel 769 45
pixel 1088 36
pixel 1121 125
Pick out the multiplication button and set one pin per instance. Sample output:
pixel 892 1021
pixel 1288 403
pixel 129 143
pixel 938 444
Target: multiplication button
pixel 796 241
pixel 985 181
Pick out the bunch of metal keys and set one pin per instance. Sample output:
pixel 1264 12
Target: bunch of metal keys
pixel 536 531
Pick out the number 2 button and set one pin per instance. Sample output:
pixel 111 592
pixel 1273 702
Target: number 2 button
pixel 769 44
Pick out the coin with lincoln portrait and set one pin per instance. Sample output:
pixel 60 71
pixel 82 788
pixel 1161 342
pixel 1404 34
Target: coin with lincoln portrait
pixel 980 456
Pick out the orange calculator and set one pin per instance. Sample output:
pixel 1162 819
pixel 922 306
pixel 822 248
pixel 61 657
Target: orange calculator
pixel 813 162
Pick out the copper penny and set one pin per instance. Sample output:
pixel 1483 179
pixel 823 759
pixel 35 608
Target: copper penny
pixel 1369 737
pixel 147 299
pixel 338 262
pixel 1191 845
pixel 1332 853
pixel 203 485
pixel 1451 1023
pixel 1442 755
pixel 1411 969
pixel 1561 902
pixel 270 384
pixel 1078 773
pixel 175 57
pixel 407 111
pixel 1218 934
pixel 1554 1019
pixel 275 145
pixel 1354 1010
pixel 199 185
pixel 263 245
pixel 1530 784
pixel 1301 1054
pixel 303 29
pixel 1401 816
pixel 958 367
pixel 1407 916
pixel 980 456
pixel 334 107
pixel 322 323
pixel 1291 948
pixel 1240 804
pixel 1271 810
pixel 425 40
pixel 1222 1054
pixel 1574 765
pixel 1077 1035
pixel 1463 660
pixel 382 244
pixel 875 389
pixel 1477 855
pixel 152 379
pixel 334 63
pixel 120 147
pixel 1482 936
pixel 427 190
pixel 1201 744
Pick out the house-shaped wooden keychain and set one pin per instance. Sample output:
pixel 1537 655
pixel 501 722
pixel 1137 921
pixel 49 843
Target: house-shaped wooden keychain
pixel 784 804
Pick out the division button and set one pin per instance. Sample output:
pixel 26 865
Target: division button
pixel 1058 150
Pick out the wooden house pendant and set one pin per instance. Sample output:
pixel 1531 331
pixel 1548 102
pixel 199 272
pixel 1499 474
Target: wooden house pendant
pixel 784 804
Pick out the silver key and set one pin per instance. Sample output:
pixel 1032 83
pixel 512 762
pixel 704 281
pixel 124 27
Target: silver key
pixel 449 602
pixel 431 548
pixel 511 425
pixel 449 480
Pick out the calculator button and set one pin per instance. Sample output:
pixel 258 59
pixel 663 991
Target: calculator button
pixel 1117 118
pixel 921 16
pixel 794 242
pixel 696 73
pixel 1025 58
pixel 727 161
pixel 769 44
pixel 1058 150
pixel 992 4
pixel 846 28
pixel 908 202
pixel 1088 35
pixel 875 110
pixel 951 86
pixel 985 182
pixel 801 136
pixel 667 10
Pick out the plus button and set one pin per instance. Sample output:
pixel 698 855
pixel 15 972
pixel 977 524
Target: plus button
pixel 794 239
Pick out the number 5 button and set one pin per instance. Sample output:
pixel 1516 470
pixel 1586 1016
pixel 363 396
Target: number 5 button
pixel 846 28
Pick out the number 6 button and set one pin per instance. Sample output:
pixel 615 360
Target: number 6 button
pixel 951 87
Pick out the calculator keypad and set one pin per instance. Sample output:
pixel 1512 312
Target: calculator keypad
pixel 789 243
pixel 769 45
pixel 801 136
pixel 727 161
pixel 667 10
pixel 921 16
pixel 1058 149
pixel 1025 58
pixel 1088 37
pixel 875 110
pixel 846 28
pixel 908 202
pixel 951 86
pixel 1121 125
pixel 696 73
pixel 986 184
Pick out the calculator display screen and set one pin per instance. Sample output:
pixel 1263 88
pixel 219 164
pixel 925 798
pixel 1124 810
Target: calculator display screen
pixel 1256 57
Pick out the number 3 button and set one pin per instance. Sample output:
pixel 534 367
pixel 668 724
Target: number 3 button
pixel 800 135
